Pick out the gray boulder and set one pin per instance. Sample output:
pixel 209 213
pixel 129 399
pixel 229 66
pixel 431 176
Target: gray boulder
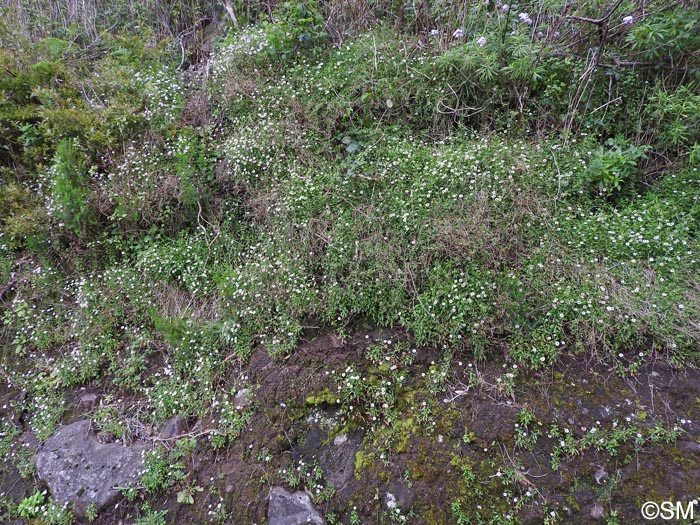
pixel 87 401
pixel 338 459
pixel 80 470
pixel 173 427
pixel 399 496
pixel 286 508
pixel 243 399
pixel 597 512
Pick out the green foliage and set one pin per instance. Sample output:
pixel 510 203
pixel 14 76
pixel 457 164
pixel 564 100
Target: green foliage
pixel 268 292
pixel 527 430
pixel 231 422
pixel 309 477
pixel 30 506
pixel 453 305
pixel 186 495
pixel 370 84
pixel 668 37
pixel 165 468
pixel 163 97
pixel 58 514
pixel 613 167
pixel 298 27
pixel 22 216
pixel 109 421
pixel 150 516
pixel 70 189
pixel 9 433
pixel 613 439
pixel 161 187
pixel 162 217
pixel 677 117
pixel 374 398
pixel 49 512
pixel 91 512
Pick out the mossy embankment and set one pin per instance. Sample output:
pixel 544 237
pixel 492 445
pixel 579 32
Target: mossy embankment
pixel 429 263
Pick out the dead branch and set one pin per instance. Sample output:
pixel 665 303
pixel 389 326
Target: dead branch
pixel 597 21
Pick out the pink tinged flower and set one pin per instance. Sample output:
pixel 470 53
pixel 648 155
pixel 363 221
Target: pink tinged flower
pixel 525 18
pixel 434 32
pixel 629 19
pixel 481 42
pixel 505 8
pixel 459 33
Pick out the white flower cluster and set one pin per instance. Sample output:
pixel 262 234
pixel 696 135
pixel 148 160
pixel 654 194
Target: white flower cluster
pixel 164 96
pixel 244 45
pixel 254 152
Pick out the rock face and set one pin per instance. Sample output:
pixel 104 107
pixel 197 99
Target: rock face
pixel 81 470
pixel 399 496
pixel 87 401
pixel 173 427
pixel 243 399
pixel 338 459
pixel 292 509
pixel 597 512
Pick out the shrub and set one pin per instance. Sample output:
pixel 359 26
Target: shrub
pixel 615 167
pixel 71 191
pixel 164 468
pixel 676 118
pixel 668 37
pixel 159 185
pixel 298 28
pixel 22 217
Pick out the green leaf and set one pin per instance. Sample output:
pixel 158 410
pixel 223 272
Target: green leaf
pixel 184 496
